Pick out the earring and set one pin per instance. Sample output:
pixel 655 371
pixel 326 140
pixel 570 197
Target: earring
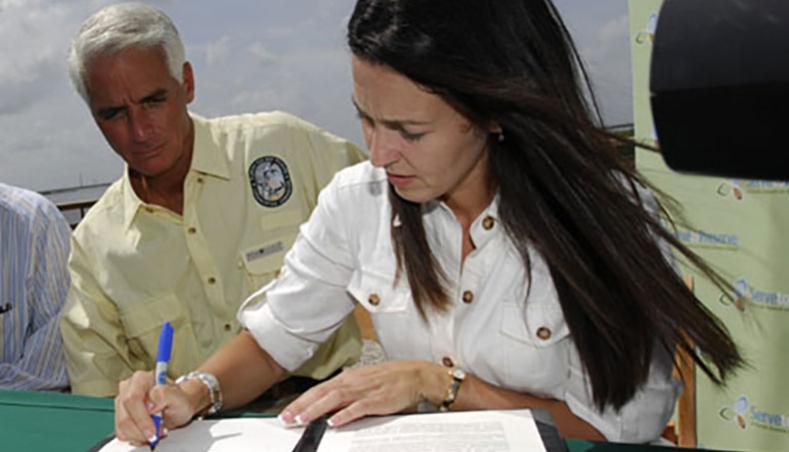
pixel 500 137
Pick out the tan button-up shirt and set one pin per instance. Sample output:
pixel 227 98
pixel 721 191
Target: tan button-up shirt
pixel 253 180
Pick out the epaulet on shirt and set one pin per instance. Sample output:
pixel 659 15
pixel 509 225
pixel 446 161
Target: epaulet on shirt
pixel 268 118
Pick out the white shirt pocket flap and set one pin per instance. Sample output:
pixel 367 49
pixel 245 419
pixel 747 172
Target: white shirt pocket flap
pixel 541 326
pixel 375 292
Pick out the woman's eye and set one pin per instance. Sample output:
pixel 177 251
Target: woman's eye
pixel 411 136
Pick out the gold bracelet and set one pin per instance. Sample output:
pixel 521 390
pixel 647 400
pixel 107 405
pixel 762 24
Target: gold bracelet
pixel 458 375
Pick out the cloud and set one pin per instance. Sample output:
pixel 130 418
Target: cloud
pixel 32 54
pixel 260 53
pixel 248 56
pixel 218 52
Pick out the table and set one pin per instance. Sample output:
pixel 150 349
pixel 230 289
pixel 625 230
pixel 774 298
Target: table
pixel 52 421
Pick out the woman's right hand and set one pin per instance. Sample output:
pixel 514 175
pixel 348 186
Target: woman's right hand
pixel 138 398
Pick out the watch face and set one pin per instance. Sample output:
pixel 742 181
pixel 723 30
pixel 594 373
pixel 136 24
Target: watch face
pixel 458 374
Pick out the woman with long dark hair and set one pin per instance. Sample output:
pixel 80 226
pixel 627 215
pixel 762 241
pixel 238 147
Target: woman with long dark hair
pixel 505 254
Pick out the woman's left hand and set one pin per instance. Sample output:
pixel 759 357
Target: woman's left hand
pixel 378 389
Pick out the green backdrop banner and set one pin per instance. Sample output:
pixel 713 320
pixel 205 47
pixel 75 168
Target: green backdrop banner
pixel 741 227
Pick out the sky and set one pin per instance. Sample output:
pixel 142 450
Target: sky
pixel 248 56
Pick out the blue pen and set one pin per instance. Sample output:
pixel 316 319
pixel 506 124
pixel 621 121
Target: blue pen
pixel 162 358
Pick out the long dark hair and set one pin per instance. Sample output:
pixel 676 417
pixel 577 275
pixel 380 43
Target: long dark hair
pixel 563 190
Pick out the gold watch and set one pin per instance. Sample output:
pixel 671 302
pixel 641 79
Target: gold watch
pixel 458 375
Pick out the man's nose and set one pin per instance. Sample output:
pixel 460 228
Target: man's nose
pixel 139 124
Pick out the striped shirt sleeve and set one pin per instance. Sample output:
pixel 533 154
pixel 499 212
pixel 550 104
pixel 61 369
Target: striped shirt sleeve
pixel 35 247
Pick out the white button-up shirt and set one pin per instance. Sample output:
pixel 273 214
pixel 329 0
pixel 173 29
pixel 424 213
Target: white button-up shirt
pixel 504 326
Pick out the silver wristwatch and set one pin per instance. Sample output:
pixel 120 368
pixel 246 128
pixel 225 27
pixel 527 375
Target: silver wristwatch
pixel 214 392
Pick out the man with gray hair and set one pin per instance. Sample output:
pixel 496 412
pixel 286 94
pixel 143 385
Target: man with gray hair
pixel 201 217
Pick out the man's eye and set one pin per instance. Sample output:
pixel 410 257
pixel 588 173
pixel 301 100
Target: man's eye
pixel 106 115
pixel 155 100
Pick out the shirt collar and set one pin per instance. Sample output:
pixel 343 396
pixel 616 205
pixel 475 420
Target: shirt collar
pixel 492 210
pixel 207 158
pixel 131 202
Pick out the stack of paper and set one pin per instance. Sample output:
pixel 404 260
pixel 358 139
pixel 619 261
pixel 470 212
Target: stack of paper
pixel 467 431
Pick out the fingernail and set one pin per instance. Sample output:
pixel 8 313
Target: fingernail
pixel 330 423
pixel 152 439
pixel 165 431
pixel 149 405
pixel 299 420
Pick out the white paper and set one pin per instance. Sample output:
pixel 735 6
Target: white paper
pixel 466 431
pixel 223 435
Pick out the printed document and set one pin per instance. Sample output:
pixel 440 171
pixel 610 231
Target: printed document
pixel 467 431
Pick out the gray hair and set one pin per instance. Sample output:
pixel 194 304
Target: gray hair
pixel 118 27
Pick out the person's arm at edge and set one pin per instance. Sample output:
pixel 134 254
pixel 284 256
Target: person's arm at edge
pixel 42 365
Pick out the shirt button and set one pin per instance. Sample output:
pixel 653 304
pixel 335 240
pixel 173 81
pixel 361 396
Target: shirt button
pixel 211 280
pixel 227 327
pixel 191 230
pixel 199 180
pixel 468 297
pixel 240 263
pixel 488 223
pixel 374 299
pixel 447 362
pixel 543 333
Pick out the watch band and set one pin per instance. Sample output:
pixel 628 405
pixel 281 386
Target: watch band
pixel 458 375
pixel 214 392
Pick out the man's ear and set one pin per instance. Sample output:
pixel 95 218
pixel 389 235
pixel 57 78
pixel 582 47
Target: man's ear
pixel 189 82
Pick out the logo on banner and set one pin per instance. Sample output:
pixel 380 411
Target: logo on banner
pixel 744 414
pixel 647 35
pixel 749 295
pixel 706 239
pixel 270 180
pixel 736 189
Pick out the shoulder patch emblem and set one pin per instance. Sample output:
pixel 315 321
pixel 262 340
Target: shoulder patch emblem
pixel 270 180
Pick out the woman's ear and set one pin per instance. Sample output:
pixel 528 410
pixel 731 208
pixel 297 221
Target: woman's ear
pixel 495 130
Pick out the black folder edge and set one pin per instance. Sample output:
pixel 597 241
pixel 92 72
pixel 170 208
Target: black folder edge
pixel 97 447
pixel 549 434
pixel 311 438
